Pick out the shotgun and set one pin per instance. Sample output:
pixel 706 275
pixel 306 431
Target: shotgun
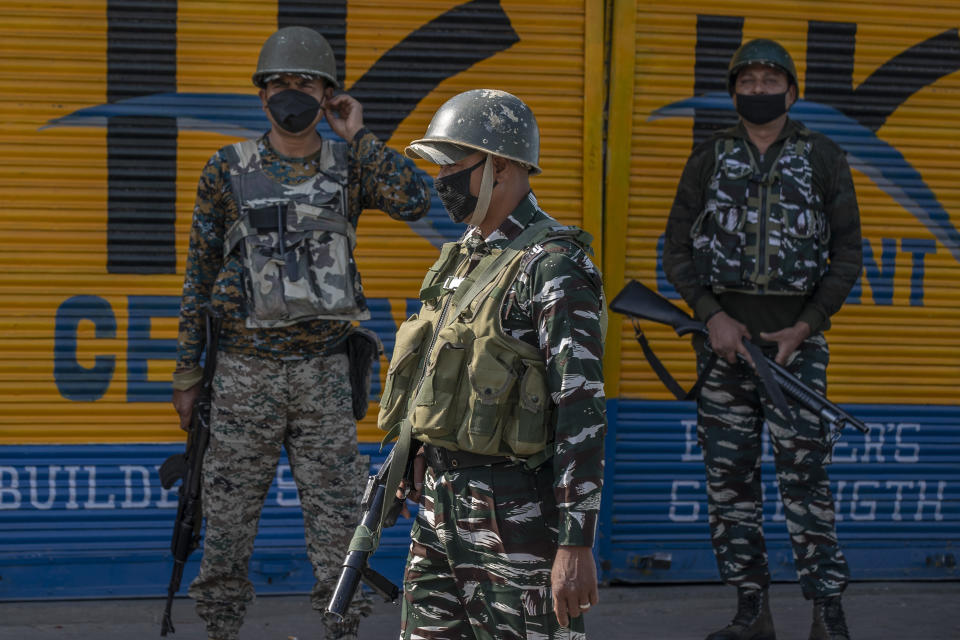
pixel 638 301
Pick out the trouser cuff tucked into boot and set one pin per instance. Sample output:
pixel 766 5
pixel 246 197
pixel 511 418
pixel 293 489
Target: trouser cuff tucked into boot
pixel 753 620
pixel 829 622
pixel 223 619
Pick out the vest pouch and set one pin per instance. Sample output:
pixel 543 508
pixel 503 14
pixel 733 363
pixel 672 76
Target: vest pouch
pixel 263 281
pixel 492 396
pixel 411 337
pixel 718 243
pixel 332 282
pixel 442 400
pixel 800 252
pixel 734 167
pixel 526 432
pixel 302 269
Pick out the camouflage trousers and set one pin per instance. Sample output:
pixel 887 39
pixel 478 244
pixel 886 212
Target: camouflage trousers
pixel 482 549
pixel 260 406
pixel 731 410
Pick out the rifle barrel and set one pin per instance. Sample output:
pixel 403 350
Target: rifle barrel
pixel 356 560
pixel 167 624
pixel 795 388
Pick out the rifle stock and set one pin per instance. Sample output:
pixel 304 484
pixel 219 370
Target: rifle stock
pixel 187 466
pixel 638 301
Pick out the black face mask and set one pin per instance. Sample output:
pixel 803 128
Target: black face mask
pixel 293 110
pixel 454 192
pixel 761 108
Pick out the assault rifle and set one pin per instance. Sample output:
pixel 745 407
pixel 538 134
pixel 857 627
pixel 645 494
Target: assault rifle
pixel 187 467
pixel 637 301
pixel 355 565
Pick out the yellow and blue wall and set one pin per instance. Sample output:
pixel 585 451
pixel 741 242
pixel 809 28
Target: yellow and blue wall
pixel 109 109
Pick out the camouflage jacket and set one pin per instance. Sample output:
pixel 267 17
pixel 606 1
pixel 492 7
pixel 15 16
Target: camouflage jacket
pixel 378 177
pixel 554 305
pixel 833 185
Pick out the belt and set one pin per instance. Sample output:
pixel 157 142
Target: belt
pixel 337 349
pixel 442 460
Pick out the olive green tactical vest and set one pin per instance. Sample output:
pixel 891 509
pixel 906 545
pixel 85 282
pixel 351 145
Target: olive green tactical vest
pixel 295 241
pixel 761 233
pixel 456 376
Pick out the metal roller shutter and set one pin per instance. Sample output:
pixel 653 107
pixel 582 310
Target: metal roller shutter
pixel 110 110
pixel 882 79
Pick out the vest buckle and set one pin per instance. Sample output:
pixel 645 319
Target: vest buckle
pixel 451 283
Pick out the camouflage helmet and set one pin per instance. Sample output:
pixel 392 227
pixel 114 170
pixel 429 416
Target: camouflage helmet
pixel 760 51
pixel 488 120
pixel 296 50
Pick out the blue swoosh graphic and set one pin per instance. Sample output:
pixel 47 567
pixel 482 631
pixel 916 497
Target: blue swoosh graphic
pixel 878 160
pixel 233 114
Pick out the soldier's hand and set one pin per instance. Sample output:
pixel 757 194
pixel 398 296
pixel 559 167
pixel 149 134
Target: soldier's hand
pixel 412 493
pixel 726 337
pixel 574 583
pixel 788 339
pixel 183 403
pixel 345 115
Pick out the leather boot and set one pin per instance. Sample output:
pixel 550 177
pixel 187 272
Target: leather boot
pixel 829 622
pixel 753 620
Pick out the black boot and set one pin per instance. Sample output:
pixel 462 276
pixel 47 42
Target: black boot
pixel 753 620
pixel 828 620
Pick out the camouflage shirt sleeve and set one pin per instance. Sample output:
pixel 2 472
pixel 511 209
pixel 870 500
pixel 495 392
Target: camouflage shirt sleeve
pixel 385 180
pixel 678 247
pixel 563 296
pixel 204 259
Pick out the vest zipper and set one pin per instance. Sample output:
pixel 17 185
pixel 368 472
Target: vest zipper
pixel 762 215
pixel 762 239
pixel 767 186
pixel 433 343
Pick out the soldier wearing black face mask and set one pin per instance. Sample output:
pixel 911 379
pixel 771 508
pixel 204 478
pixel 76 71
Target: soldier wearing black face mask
pixel 271 251
pixel 501 393
pixel 763 242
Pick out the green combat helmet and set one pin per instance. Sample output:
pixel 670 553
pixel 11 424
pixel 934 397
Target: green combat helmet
pixel 296 50
pixel 760 51
pixel 486 120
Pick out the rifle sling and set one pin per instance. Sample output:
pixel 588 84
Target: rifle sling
pixel 668 380
pixel 770 385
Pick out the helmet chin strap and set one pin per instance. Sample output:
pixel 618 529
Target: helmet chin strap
pixel 486 192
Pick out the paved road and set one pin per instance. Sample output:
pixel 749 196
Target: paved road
pixel 875 611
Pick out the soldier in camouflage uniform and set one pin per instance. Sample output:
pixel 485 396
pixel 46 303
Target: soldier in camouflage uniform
pixel 498 380
pixel 763 242
pixel 271 251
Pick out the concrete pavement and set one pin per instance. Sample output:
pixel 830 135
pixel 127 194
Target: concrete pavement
pixel 875 611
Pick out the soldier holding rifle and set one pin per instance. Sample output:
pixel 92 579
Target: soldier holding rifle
pixel 271 250
pixel 763 242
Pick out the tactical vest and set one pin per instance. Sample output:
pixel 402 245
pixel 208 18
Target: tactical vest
pixel 295 241
pixel 761 233
pixel 456 377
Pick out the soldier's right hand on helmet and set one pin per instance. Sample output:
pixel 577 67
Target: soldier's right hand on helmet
pixel 726 337
pixel 183 402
